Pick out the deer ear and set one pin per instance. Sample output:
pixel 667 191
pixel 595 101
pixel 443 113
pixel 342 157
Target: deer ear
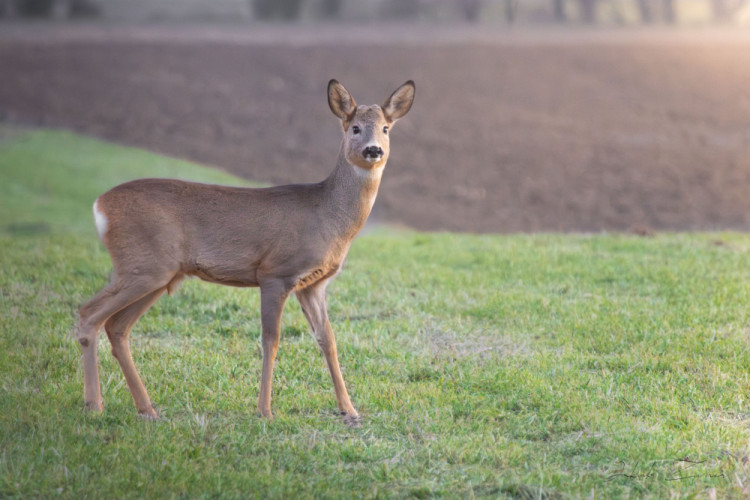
pixel 400 102
pixel 341 101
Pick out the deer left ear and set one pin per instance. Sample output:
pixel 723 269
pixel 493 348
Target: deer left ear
pixel 399 103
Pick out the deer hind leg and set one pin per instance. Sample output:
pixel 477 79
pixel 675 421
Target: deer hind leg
pixel 118 328
pixel 92 315
pixel 313 302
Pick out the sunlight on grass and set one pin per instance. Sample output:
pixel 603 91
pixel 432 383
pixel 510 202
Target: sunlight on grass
pixel 523 366
pixel 51 178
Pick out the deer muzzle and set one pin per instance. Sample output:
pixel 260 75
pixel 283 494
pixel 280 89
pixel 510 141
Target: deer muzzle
pixel 372 153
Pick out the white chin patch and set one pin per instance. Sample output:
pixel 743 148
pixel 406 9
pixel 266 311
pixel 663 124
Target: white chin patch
pixel 368 172
pixel 100 220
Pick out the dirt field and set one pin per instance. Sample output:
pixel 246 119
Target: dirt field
pixel 509 132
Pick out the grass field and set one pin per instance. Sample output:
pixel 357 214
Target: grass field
pixel 524 366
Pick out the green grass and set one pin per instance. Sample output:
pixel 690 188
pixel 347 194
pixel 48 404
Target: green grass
pixel 524 366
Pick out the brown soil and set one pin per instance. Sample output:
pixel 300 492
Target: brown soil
pixel 509 132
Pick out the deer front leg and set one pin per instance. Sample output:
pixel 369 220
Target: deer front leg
pixel 272 299
pixel 313 302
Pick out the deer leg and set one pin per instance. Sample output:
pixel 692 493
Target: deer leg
pixel 118 328
pixel 272 299
pixel 92 315
pixel 92 394
pixel 313 302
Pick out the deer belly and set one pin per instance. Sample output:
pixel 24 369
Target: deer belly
pixel 226 274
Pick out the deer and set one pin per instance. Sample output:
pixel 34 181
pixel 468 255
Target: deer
pixel 285 240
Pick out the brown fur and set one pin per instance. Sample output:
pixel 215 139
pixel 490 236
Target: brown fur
pixel 284 239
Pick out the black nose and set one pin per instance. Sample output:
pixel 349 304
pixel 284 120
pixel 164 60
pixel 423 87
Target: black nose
pixel 373 152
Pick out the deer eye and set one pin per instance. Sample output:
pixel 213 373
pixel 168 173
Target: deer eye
pixel 385 130
pixel 356 130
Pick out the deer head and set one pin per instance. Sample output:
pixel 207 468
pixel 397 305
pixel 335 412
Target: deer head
pixel 366 128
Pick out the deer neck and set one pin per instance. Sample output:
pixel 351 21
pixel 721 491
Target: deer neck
pixel 351 193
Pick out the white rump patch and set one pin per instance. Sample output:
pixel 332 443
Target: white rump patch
pixel 100 220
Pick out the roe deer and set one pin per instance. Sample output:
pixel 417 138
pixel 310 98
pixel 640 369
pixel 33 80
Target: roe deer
pixel 284 239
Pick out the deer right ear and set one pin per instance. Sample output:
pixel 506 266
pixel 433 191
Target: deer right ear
pixel 341 101
pixel 399 103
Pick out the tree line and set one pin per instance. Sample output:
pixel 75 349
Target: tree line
pixel 562 11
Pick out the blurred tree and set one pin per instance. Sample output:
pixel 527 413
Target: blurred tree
pixel 724 10
pixel 290 9
pixel 510 10
pixel 644 9
pixel 668 11
pixel 287 10
pixel 36 8
pixel 559 9
pixel 262 9
pixel 401 9
pixel 330 8
pixel 720 9
pixel 647 14
pixel 471 9
pixel 8 8
pixel 588 10
pixel 60 9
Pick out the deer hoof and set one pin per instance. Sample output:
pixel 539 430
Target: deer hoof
pixel 266 414
pixel 149 414
pixel 94 406
pixel 352 420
